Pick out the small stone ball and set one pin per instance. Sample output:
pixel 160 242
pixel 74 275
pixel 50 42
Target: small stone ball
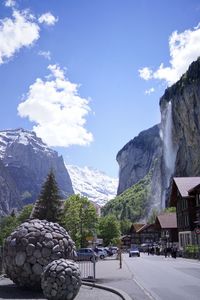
pixel 32 246
pixel 61 280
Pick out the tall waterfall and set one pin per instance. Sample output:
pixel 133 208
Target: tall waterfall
pixel 169 149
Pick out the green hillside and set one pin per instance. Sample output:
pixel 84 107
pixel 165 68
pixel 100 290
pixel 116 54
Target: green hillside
pixel 132 204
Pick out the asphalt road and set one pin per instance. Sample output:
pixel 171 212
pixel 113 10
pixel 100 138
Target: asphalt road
pixel 166 278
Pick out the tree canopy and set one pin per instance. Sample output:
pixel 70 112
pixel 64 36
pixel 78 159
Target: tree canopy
pixel 9 223
pixel 109 229
pixel 132 203
pixel 48 205
pixel 79 219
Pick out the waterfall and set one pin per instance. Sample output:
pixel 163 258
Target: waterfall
pixel 169 149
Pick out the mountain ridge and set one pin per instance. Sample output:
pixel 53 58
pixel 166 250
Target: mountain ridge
pixel 92 183
pixel 28 160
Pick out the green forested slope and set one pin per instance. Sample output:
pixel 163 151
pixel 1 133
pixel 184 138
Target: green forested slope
pixel 132 204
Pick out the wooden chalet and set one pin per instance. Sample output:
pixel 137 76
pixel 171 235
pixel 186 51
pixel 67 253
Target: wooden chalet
pixel 132 238
pixel 185 196
pixel 149 234
pixel 166 224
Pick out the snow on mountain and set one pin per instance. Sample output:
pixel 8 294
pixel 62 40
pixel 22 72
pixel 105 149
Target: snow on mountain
pixel 28 161
pixel 93 184
pixel 21 136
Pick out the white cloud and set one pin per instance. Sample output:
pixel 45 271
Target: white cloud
pixel 57 109
pixel 10 3
pixel 145 73
pixel 48 19
pixel 15 33
pixel 45 54
pixel 150 91
pixel 184 48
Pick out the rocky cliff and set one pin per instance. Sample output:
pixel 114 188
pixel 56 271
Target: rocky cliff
pixel 28 160
pixel 180 111
pixel 171 149
pixel 137 157
pixel 9 194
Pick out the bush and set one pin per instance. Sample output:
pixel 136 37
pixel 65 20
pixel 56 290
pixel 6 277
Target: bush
pixel 191 251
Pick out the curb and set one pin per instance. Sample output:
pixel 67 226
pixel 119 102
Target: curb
pixel 120 293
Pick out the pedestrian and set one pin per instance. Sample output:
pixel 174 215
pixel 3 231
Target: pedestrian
pixel 174 252
pixel 165 252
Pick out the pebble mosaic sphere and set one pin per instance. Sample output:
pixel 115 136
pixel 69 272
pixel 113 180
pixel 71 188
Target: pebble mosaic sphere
pixel 32 246
pixel 61 280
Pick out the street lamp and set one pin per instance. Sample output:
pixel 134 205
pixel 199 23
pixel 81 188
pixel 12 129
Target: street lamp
pixel 167 237
pixel 82 207
pixel 197 231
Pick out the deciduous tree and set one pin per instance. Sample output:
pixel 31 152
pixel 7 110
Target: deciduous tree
pixel 109 229
pixel 79 219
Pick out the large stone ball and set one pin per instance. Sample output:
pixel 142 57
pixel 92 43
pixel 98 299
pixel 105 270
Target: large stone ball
pixel 61 280
pixel 32 246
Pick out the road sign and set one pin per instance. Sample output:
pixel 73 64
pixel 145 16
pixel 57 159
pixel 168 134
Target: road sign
pixel 197 230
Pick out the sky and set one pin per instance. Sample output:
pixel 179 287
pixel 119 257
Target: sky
pixel 87 75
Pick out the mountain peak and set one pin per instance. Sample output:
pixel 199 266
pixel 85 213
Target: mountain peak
pixel 93 184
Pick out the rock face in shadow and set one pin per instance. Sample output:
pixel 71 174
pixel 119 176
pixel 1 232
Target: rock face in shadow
pixel 174 151
pixel 9 193
pixel 185 99
pixel 28 161
pixel 137 157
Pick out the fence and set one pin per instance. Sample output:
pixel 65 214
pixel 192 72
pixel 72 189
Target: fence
pixel 1 260
pixel 88 270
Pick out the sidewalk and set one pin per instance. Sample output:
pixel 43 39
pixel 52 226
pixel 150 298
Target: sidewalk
pixel 112 283
pixel 8 290
pixel 108 272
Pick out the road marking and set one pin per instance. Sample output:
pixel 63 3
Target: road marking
pixel 147 293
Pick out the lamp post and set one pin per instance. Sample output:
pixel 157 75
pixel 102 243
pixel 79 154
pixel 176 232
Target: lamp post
pixel 82 208
pixel 167 237
pixel 197 233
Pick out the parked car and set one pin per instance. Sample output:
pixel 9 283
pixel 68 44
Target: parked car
pixel 113 249
pixel 86 254
pixel 134 252
pixel 108 251
pixel 101 252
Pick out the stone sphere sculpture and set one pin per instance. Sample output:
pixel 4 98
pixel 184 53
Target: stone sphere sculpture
pixel 61 280
pixel 32 246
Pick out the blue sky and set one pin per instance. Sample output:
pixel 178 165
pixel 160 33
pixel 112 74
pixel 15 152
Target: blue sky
pixel 87 75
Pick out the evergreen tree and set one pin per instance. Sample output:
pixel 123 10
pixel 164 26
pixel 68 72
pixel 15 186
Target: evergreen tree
pixel 48 205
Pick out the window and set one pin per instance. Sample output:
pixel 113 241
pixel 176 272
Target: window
pixel 184 203
pixel 185 238
pixel 197 200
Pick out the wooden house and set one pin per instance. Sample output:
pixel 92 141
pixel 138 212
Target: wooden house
pixel 166 224
pixel 185 195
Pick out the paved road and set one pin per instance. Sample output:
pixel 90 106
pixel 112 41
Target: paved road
pixel 166 278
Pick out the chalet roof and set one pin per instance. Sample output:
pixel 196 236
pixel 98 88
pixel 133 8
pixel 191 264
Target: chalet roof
pixel 145 226
pixel 167 220
pixel 184 184
pixel 137 226
pixel 194 189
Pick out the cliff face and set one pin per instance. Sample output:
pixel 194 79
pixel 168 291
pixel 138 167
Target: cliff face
pixel 9 194
pixel 28 161
pixel 184 99
pixel 173 152
pixel 185 130
pixel 138 157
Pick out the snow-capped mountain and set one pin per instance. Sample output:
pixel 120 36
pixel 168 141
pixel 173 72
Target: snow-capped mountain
pixel 23 137
pixel 27 161
pixel 92 183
